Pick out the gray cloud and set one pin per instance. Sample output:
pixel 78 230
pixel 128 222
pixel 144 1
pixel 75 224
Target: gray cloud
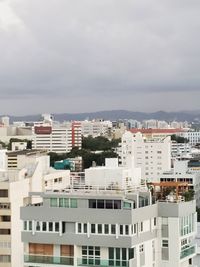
pixel 84 55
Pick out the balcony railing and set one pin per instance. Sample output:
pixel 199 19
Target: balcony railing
pixel 188 251
pixel 102 263
pixel 32 258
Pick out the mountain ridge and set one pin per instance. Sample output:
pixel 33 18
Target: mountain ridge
pixel 116 115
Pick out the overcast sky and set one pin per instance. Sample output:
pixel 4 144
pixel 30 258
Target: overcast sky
pixel 89 55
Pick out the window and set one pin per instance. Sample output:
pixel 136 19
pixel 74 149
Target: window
pixel 126 205
pixel 126 229
pixel 57 227
pixel 106 229
pixel 141 248
pixel 44 226
pixel 5 258
pixel 93 228
pixel 165 243
pixel 73 203
pixel 113 229
pixel 30 225
pixel 50 227
pixel 79 228
pixel 90 255
pixel 5 231
pixel 85 228
pixel 64 202
pixel 121 230
pixel 100 204
pixel 25 225
pixel 3 193
pixel 104 204
pixel 37 226
pixel 154 221
pixel 99 228
pixel 53 202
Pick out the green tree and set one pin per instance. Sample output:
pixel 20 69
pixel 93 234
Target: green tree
pixel 179 139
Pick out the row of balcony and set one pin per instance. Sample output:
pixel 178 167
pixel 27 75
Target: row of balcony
pixel 31 258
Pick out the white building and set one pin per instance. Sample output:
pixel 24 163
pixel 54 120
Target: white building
pixel 96 128
pixel 59 138
pixel 27 171
pixel 153 157
pixel 193 137
pixel 112 175
pixel 105 227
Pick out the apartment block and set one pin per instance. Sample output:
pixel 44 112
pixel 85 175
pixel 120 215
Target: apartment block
pixel 152 156
pixel 59 138
pixel 104 227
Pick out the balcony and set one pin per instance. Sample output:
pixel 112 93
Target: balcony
pixel 31 258
pixel 102 263
pixel 188 252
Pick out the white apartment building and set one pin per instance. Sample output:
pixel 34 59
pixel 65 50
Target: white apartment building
pixel 108 228
pixel 59 138
pixel 153 157
pixel 31 172
pixel 112 175
pixel 193 137
pixel 96 128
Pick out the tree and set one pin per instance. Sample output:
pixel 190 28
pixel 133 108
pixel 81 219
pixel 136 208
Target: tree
pixel 179 139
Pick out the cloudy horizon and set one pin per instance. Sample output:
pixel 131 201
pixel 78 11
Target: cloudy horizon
pixel 63 56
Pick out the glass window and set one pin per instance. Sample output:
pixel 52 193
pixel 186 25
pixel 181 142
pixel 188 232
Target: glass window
pixel 121 229
pixel 106 229
pixel 126 205
pixel 53 202
pixel 117 204
pixel 100 204
pixel 50 226
pixel 93 228
pixel 131 253
pixel 92 203
pixel 79 227
pixel 109 204
pixel 127 229
pixel 30 225
pixel 73 203
pixel 85 228
pixel 44 226
pixel 37 226
pixel 99 228
pixel 57 227
pixel 25 225
pixel 113 229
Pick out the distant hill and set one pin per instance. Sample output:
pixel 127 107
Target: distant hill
pixel 117 114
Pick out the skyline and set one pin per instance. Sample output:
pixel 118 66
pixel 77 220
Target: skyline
pixel 86 56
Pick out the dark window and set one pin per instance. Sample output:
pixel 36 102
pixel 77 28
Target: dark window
pixel 106 229
pixel 92 203
pixel 131 253
pixel 109 204
pixel 93 228
pixel 5 231
pixel 100 204
pixel 117 204
pixel 3 193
